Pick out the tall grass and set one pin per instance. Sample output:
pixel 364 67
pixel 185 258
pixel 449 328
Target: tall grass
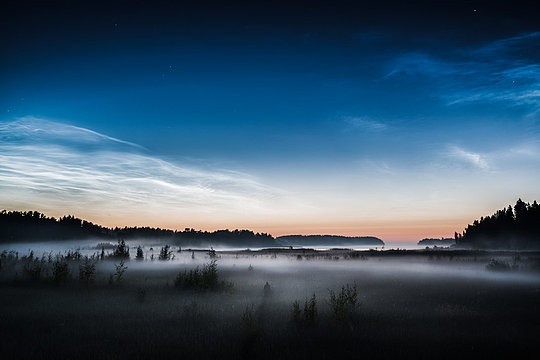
pixel 345 303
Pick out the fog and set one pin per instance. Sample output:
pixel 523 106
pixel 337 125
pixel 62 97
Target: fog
pixel 326 266
pixel 403 301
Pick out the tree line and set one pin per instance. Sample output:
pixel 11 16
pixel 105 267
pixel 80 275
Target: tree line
pixel 509 228
pixel 20 226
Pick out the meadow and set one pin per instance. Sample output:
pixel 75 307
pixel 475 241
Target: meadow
pixel 268 304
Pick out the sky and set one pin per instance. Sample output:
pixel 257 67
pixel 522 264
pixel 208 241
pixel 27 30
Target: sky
pixel 401 120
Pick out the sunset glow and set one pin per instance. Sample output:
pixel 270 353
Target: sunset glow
pixel 292 119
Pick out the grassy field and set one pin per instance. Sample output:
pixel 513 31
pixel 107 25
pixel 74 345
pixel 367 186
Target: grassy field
pixel 398 304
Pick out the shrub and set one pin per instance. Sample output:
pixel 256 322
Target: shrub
pixel 8 259
pixel 120 270
pixel 309 315
pixel 121 251
pixel 165 253
pixel 206 278
pixel 140 254
pixel 87 271
pixel 497 265
pixel 33 267
pixel 60 271
pixel 344 304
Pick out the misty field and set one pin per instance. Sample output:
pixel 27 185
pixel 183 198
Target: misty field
pixel 270 304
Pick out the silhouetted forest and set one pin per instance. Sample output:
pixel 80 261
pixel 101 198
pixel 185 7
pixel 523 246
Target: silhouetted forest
pixel 21 226
pixel 328 240
pixel 510 228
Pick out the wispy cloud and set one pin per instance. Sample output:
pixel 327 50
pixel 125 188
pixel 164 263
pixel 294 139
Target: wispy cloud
pixel 505 71
pixel 418 63
pixel 365 123
pixel 46 165
pixel 35 130
pixel 474 159
pixel 504 159
pixel 508 45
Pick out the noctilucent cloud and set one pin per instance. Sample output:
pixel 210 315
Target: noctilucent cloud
pixel 394 119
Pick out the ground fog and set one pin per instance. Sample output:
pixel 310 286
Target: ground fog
pixel 294 303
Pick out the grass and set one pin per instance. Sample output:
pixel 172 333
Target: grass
pixel 422 316
pixel 345 303
pixel 309 315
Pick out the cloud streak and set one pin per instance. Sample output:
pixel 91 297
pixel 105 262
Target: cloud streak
pixel 48 165
pixel 507 159
pixel 505 71
pixel 477 160
pixel 365 123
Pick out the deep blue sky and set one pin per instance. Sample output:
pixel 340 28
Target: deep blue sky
pixel 363 113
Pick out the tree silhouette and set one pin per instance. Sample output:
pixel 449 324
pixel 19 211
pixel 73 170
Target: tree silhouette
pixel 121 251
pixel 517 228
pixel 140 254
pixel 19 226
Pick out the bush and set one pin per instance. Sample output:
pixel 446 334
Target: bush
pixel 120 270
pixel 165 253
pixel 60 273
pixel 140 254
pixel 121 251
pixel 87 271
pixel 310 314
pixel 33 268
pixel 206 278
pixel 497 265
pixel 344 304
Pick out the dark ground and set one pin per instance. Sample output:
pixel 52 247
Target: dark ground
pixel 430 313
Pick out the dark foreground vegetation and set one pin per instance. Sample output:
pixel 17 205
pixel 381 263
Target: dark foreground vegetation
pixel 301 304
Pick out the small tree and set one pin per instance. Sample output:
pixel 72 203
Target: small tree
pixel 33 268
pixel 210 275
pixel 121 251
pixel 140 254
pixel 206 278
pixel 120 269
pixel 165 253
pixel 60 271
pixel 87 271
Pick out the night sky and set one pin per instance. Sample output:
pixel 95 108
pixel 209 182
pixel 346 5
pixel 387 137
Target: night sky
pixel 399 119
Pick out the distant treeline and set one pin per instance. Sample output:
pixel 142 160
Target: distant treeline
pixel 437 242
pixel 510 228
pixel 22 226
pixel 328 240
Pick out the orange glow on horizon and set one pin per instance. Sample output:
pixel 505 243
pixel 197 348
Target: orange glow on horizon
pixel 402 230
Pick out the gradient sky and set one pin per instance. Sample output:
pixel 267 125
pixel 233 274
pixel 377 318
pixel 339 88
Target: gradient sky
pixel 397 119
